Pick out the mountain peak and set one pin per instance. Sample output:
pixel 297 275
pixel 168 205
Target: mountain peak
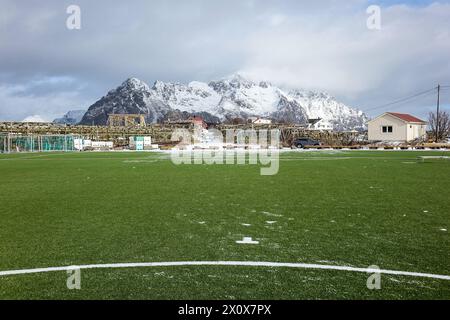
pixel 234 81
pixel 158 84
pixel 237 78
pixel 135 84
pixel 242 80
pixel 71 117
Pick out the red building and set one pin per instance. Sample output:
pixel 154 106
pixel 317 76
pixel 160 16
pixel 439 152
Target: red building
pixel 198 121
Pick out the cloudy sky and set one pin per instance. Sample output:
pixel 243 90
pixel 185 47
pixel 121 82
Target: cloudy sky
pixel 47 69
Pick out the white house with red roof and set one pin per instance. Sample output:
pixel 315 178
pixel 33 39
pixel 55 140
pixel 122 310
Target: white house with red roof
pixel 393 126
pixel 257 120
pixel 198 122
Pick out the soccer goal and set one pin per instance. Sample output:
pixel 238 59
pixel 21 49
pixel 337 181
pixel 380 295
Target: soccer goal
pixel 10 142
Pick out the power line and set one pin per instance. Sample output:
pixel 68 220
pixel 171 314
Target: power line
pixel 404 99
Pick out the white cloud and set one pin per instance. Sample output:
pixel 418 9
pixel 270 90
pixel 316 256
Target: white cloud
pixel 310 44
pixel 277 20
pixel 342 56
pixel 20 103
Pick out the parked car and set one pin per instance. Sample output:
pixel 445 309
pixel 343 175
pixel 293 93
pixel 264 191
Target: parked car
pixel 305 142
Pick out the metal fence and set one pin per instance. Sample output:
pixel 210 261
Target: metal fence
pixel 10 142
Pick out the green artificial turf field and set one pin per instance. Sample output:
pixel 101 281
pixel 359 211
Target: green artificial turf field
pixel 343 208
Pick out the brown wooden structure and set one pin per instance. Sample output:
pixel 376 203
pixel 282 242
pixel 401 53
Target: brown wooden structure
pixel 126 120
pixel 161 133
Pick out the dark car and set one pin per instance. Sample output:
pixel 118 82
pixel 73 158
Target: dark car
pixel 305 142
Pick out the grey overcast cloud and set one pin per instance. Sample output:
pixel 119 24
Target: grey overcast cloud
pixel 47 69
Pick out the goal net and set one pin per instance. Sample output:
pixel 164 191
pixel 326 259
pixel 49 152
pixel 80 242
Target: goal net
pixel 36 143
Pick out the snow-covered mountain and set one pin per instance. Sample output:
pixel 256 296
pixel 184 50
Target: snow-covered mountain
pixel 133 97
pixel 334 115
pixel 72 117
pixel 224 100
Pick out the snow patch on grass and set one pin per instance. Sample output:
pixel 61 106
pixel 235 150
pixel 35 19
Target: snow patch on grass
pixel 271 214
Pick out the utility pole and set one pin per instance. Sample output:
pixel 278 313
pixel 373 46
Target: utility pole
pixel 437 112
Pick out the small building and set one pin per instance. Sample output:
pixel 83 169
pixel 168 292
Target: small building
pixel 319 124
pixel 140 143
pixel 256 120
pixel 198 122
pixel 392 126
pixel 97 145
pixel 312 123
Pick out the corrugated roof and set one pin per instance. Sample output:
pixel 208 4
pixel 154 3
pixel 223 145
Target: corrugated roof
pixel 406 117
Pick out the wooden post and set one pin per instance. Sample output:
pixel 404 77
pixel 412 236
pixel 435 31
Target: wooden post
pixel 437 112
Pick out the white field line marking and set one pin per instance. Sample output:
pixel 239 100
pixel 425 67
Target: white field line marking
pixel 226 263
pixel 346 158
pixel 89 159
pixel 247 240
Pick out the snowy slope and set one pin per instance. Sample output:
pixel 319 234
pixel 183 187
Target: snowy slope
pixel 334 115
pixel 71 117
pixel 133 97
pixel 194 97
pixel 34 118
pixel 252 98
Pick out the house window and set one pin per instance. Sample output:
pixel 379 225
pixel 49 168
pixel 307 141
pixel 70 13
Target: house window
pixel 387 129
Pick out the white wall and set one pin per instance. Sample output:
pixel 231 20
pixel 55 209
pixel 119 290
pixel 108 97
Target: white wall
pixel 416 130
pixel 102 144
pixel 399 129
